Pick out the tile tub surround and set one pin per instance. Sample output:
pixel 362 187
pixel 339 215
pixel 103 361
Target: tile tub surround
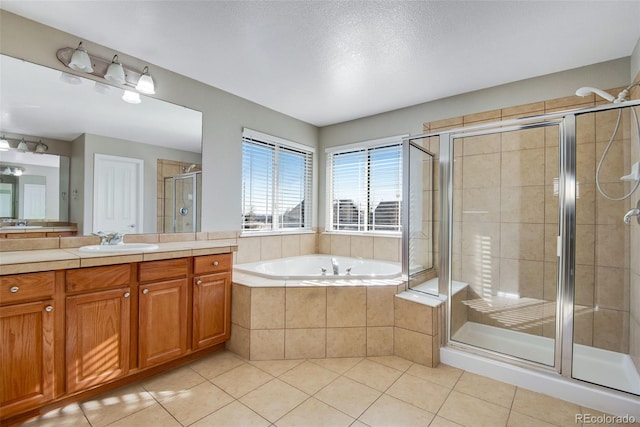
pixel 276 320
pixel 271 320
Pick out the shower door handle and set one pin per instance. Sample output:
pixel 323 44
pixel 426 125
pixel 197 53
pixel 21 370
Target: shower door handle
pixel 633 212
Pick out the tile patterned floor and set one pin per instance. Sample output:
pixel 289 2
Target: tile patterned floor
pixel 225 390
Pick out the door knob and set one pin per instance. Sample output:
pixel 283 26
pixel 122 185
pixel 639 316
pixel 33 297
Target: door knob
pixel 145 291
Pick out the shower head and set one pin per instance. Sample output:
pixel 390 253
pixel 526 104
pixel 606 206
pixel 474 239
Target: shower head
pixel 587 90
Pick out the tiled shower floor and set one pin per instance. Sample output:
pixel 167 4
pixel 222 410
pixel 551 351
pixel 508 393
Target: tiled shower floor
pixel 226 390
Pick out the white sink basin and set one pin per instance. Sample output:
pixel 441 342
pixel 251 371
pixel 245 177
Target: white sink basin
pixel 123 247
pixel 14 227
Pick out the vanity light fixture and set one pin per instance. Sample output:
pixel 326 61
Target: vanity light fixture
pixel 115 72
pixel 80 60
pixel 112 71
pixel 14 171
pixel 41 148
pixel 145 83
pixel 131 97
pixel 22 146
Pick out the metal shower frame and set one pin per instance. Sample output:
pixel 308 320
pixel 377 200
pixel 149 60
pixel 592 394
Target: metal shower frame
pixel 565 279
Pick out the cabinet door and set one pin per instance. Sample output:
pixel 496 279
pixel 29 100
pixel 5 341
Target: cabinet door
pixel 26 356
pixel 211 309
pixel 98 326
pixel 163 321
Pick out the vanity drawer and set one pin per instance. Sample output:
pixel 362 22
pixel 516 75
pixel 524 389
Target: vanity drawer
pixel 26 235
pixel 93 278
pixel 154 271
pixel 25 287
pixel 211 263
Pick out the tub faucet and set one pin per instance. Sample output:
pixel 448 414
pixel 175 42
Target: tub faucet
pixel 336 266
pixel 109 238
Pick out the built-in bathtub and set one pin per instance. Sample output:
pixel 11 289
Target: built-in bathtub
pixel 321 267
pixel 291 309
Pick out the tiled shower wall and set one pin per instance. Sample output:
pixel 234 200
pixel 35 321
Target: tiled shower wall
pixel 505 223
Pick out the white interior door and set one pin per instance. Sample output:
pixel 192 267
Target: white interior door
pixel 117 194
pixel 35 197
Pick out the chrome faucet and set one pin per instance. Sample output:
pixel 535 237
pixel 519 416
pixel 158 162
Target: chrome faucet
pixel 113 238
pixel 336 266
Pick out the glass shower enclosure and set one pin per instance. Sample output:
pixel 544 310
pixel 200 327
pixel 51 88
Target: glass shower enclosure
pixel 536 259
pixel 182 207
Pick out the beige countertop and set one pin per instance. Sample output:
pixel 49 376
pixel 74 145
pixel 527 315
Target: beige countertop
pixel 16 262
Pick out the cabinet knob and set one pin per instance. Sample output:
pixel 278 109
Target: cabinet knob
pixel 14 289
pixel 145 291
pixel 199 282
pixel 126 294
pixel 48 308
pixel 215 263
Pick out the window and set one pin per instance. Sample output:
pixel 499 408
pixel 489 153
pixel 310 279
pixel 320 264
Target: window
pixel 365 186
pixel 277 178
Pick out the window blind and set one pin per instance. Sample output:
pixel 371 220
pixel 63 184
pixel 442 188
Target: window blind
pixel 365 188
pixel 277 181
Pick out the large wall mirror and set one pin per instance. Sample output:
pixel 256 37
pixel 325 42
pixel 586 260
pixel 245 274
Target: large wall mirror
pixel 85 122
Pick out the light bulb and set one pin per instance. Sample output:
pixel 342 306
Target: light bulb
pixel 80 60
pixel 131 97
pixel 145 83
pixel 22 146
pixel 115 72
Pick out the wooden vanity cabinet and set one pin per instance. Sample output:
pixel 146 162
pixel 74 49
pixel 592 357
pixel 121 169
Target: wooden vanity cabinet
pixel 97 325
pixel 211 300
pixel 162 311
pixel 27 336
pixel 68 333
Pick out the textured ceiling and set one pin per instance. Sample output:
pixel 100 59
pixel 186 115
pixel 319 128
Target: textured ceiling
pixel 325 62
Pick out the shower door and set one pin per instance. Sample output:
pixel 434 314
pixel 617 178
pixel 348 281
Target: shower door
pixel 418 223
pixel 606 312
pixel 504 225
pixel 181 204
